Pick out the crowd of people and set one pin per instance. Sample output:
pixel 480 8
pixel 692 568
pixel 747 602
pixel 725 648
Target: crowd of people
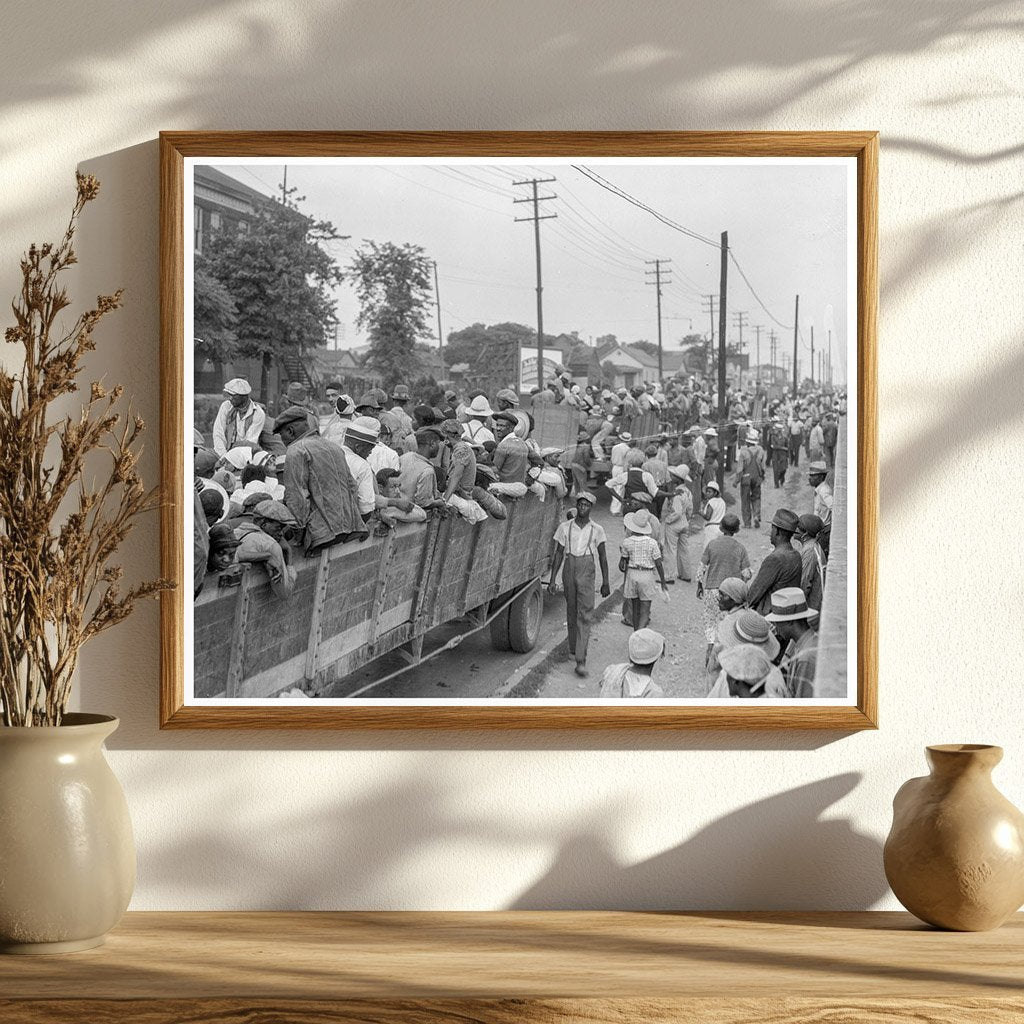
pixel 320 474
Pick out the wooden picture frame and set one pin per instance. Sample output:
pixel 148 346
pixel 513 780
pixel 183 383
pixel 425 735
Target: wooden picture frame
pixel 178 147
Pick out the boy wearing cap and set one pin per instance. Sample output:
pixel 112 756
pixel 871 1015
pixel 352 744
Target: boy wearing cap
pixel 640 556
pixel 635 678
pixel 577 541
pixel 239 419
pixel 794 622
pixel 781 568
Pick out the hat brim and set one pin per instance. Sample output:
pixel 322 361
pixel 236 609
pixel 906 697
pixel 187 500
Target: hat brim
pixel 728 637
pixel 810 613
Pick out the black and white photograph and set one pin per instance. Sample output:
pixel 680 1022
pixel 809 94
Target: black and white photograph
pixel 532 431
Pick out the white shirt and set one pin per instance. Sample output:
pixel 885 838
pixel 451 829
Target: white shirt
pixel 250 414
pixel 823 502
pixel 619 454
pixel 383 457
pixel 366 492
pixel 580 540
pixel 474 430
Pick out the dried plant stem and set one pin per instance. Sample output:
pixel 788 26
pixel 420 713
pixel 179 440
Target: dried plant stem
pixel 58 587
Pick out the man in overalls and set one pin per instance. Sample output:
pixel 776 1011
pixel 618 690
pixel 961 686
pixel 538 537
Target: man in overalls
pixel 577 541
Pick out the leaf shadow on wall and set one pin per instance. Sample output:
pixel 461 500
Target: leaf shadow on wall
pixel 777 853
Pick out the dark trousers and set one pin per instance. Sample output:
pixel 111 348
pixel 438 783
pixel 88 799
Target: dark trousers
pixel 780 459
pixel 750 500
pixel 794 449
pixel 830 454
pixel 578 580
pixel 579 478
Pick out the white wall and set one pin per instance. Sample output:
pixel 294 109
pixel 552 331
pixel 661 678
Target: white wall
pixel 485 821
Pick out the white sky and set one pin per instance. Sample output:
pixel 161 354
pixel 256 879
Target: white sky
pixel 787 224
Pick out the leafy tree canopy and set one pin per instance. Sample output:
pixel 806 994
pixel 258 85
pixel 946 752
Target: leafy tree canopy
pixel 278 276
pixel 393 284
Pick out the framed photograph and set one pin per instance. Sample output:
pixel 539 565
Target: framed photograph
pixel 519 430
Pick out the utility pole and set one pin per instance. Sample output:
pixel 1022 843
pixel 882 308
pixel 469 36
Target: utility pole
pixel 796 357
pixel 440 336
pixel 774 349
pixel 757 331
pixel 739 320
pixel 723 302
pixel 812 357
pixel 830 359
pixel 657 273
pixel 284 187
pixel 536 219
pixel 710 300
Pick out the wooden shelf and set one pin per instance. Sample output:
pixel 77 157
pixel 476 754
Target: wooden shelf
pixel 416 968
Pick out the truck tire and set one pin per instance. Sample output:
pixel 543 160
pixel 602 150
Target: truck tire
pixel 499 632
pixel 524 619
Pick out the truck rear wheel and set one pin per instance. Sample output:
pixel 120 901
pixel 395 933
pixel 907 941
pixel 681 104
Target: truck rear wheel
pixel 499 632
pixel 524 619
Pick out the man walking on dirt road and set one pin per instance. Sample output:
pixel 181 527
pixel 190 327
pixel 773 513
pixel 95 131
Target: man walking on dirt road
pixel 577 541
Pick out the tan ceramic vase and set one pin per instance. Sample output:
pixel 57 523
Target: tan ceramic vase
pixel 955 855
pixel 67 856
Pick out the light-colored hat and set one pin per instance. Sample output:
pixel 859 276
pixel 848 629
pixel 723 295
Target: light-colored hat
pixel 645 646
pixel 480 407
pixel 788 604
pixel 712 485
pixel 752 437
pixel 586 496
pixel 746 663
pixel 638 522
pixel 735 588
pixel 276 511
pixel 239 457
pixel 197 439
pixel 507 395
pixel 238 386
pixel 711 432
pixel 263 459
pixel 546 453
pixel 363 428
pixel 748 628
pixel 817 467
pixel 625 435
pixel 680 472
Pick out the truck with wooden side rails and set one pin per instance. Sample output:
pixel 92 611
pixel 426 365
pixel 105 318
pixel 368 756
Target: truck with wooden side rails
pixel 354 602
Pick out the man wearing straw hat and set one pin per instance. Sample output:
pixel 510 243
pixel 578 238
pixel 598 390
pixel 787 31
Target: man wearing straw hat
pixel 794 621
pixel 577 541
pixel 749 477
pixel 747 627
pixel 675 523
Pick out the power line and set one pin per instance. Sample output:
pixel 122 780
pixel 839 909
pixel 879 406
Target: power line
pixel 537 217
pixel 657 272
pixel 615 190
pixel 736 263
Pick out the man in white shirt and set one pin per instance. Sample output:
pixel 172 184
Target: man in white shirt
pixel 816 473
pixel 576 542
pixel 240 420
pixel 619 452
pixel 475 430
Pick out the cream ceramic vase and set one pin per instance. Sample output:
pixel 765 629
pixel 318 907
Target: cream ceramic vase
pixel 67 855
pixel 955 855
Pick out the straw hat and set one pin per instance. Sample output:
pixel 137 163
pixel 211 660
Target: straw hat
pixel 638 522
pixel 748 628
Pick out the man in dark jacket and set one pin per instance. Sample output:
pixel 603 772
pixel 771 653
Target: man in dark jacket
pixel 319 490
pixel 782 568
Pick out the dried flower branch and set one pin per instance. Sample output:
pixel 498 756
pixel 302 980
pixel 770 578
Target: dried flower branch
pixel 58 588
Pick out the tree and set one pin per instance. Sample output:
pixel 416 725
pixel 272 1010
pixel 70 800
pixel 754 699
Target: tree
pixel 490 350
pixel 645 346
pixel 279 277
pixel 215 316
pixel 394 284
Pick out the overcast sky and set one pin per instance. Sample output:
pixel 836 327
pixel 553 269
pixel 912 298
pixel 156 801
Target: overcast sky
pixel 787 229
